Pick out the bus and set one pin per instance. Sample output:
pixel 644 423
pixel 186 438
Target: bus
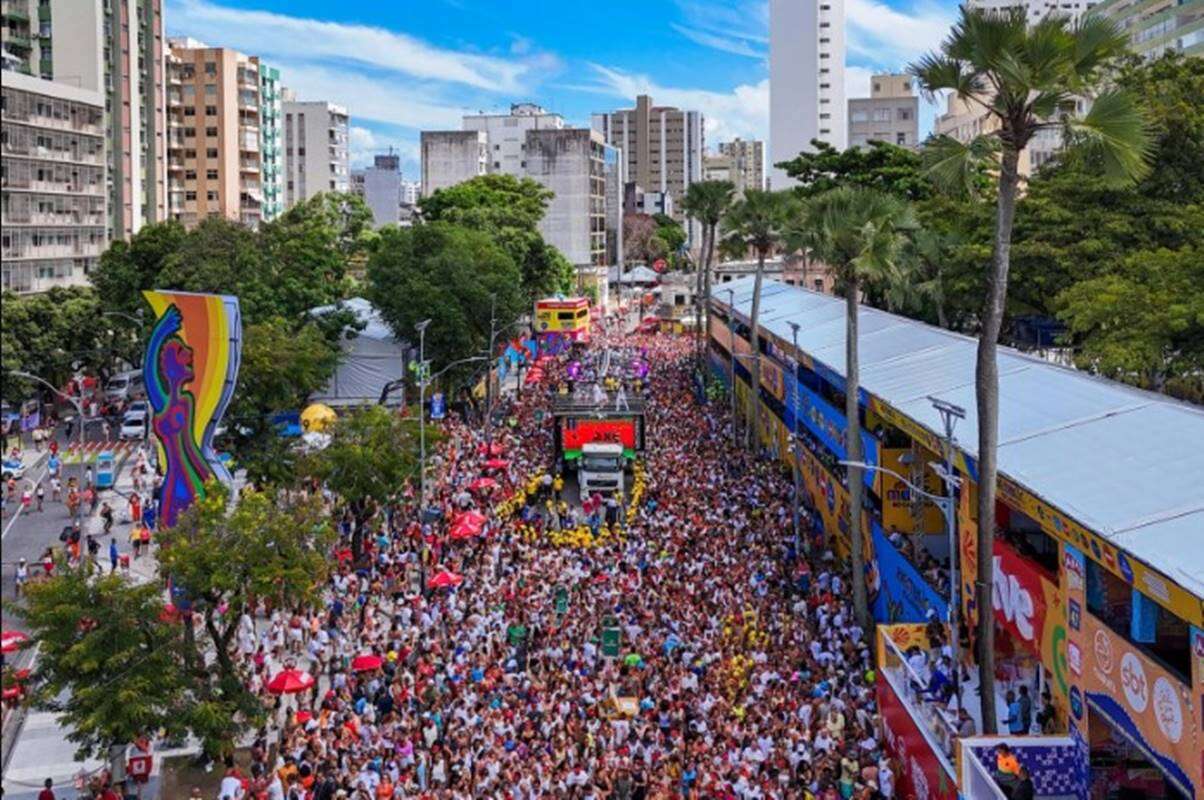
pixel 562 320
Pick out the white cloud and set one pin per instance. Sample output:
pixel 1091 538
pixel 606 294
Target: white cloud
pixel 383 100
pixel 278 36
pixel 743 111
pixel 741 28
pixel 891 37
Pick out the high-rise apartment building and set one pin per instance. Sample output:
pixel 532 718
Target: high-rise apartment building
pixel 315 149
pixel 382 188
pixel 271 141
pixel 1038 9
pixel 529 142
pixel 741 162
pixel 116 48
pixel 53 220
pixel 662 148
pixel 411 193
pixel 1155 27
pixel 214 159
pixel 890 114
pixel 806 79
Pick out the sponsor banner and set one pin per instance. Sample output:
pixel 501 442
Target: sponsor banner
pixel 920 772
pixel 577 432
pixel 1148 581
pixel 1144 701
pixel 904 595
pixel 925 437
pixel 826 423
pixel 831 500
pixel 772 379
pixel 899 513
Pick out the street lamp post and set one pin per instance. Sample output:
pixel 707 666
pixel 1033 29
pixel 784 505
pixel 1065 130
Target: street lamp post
pixel 79 431
pixel 731 361
pixel 948 507
pixel 422 381
pixel 794 437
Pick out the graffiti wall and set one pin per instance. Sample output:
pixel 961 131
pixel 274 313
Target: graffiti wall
pixel 190 368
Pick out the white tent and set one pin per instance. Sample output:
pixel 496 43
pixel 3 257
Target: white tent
pixel 371 358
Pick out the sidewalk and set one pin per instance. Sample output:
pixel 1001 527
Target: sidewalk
pixel 41 749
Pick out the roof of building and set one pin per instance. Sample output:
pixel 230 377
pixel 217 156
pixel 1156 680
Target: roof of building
pixel 1126 463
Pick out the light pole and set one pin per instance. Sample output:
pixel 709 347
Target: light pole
pixel 794 435
pixel 422 381
pixel 731 361
pixel 79 432
pixel 947 504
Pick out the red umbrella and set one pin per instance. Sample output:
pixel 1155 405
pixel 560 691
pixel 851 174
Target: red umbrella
pixel 290 681
pixel 462 531
pixel 366 662
pixel 497 463
pixel 473 518
pixel 304 717
pixel 444 579
pixel 10 641
pixel 482 483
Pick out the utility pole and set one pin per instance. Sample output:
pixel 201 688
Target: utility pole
pixel 731 358
pixel 794 437
pixel 489 369
pixel 950 414
pixel 422 381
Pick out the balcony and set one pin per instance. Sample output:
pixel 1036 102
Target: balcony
pixel 15 15
pixel 19 42
pixel 248 165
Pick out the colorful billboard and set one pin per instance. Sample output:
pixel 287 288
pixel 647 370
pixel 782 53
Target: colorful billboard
pixel 190 368
pixel 1148 704
pixel 904 595
pixel 921 773
pixel 577 432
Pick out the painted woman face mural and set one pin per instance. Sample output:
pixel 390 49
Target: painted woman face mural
pixel 190 368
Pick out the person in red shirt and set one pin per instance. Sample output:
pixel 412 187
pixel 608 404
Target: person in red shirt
pixel 47 792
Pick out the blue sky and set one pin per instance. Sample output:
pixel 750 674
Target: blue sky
pixel 401 67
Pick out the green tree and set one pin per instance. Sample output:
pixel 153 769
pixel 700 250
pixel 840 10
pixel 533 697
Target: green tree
pixel 222 257
pixel 861 233
pixel 1025 79
pixel 758 220
pixel 106 662
pixel 1143 323
pixel 509 209
pixel 222 559
pixel 126 268
pixel 281 367
pixel 670 232
pixel 706 202
pixel 53 334
pixel 372 454
pixel 881 165
pixel 449 274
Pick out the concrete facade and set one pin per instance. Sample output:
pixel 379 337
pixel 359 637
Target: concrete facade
pixel 315 149
pixel 508 133
pixel 53 222
pixel 571 163
pixel 214 162
pixel 382 188
pixel 747 163
pixel 890 114
pixel 663 149
pixel 1155 27
pixel 451 157
pixel 806 79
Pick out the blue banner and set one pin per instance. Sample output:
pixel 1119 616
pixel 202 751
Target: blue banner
pixel 438 406
pixel 827 424
pixel 1143 625
pixel 901 594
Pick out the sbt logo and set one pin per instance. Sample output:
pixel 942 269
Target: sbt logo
pixel 1013 600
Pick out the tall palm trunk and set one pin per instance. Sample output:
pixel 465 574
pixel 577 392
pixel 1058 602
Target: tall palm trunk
pixel 706 283
pixel 699 298
pixel 754 392
pixel 986 390
pixel 853 450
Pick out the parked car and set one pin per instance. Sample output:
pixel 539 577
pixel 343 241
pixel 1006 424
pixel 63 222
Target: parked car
pixel 13 469
pixel 138 406
pixel 125 386
pixel 133 425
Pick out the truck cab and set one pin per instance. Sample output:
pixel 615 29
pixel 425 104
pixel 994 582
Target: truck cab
pixel 601 467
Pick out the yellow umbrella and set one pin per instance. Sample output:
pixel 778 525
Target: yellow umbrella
pixel 317 418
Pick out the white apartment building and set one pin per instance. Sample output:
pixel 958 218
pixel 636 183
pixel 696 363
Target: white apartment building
pixel 411 193
pixel 53 219
pixel 806 79
pixel 662 148
pixel 890 114
pixel 1037 9
pixel 533 143
pixel 382 188
pixel 315 149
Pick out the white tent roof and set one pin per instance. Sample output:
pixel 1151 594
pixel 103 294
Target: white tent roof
pixel 370 359
pixel 1127 464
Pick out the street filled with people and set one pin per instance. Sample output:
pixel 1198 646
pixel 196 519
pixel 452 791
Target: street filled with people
pixel 683 648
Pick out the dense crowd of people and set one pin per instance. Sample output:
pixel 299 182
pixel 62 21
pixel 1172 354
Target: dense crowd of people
pixel 738 670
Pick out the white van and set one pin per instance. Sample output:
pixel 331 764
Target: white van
pixel 125 385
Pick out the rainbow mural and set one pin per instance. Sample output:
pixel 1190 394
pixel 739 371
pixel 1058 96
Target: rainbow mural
pixel 190 368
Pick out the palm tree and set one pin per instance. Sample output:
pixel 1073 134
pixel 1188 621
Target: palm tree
pixel 1025 80
pixel 861 234
pixel 707 202
pixel 757 221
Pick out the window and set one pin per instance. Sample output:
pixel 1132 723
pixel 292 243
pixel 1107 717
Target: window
pixel 211 152
pixel 904 114
pixel 189 111
pixel 211 174
pixel 859 116
pixel 190 196
pixel 211 131
pixel 210 67
pixel 900 138
pixel 190 174
pixel 1117 603
pixel 211 90
pixel 210 111
pixel 877 87
pixel 211 196
pixel 189 133
pixel 190 153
